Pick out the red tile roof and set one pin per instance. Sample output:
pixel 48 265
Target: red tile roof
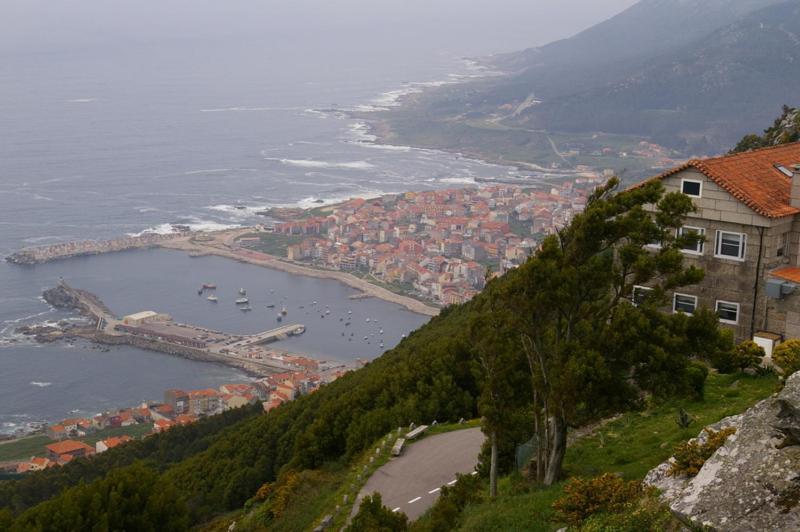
pixel 69 446
pixel 752 177
pixel 788 273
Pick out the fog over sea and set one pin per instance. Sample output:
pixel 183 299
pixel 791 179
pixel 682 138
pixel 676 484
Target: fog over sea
pixel 117 134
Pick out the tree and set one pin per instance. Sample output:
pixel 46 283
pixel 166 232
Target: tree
pixel 373 516
pixel 496 364
pixel 574 303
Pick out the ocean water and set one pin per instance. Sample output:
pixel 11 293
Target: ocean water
pixel 97 143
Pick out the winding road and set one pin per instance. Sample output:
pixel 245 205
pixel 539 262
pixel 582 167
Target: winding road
pixel 412 482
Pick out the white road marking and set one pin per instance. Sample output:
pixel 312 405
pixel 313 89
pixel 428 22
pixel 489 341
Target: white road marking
pixel 452 482
pixel 434 491
pixel 396 509
pixel 412 501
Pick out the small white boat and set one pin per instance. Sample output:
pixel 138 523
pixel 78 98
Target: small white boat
pixel 245 308
pixel 213 299
pixel 381 331
pixel 279 317
pixel 242 291
pixel 242 301
pixel 367 320
pixel 284 311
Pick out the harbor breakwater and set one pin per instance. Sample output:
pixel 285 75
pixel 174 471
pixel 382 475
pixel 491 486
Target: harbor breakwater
pixel 43 254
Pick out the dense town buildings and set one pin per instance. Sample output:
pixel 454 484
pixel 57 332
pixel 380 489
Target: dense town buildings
pixel 438 244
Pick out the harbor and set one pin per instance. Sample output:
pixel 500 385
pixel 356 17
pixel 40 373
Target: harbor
pixel 159 332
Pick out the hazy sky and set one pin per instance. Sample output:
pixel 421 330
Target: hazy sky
pixel 459 26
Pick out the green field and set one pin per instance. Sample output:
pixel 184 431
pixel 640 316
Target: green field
pixel 24 448
pixel 273 243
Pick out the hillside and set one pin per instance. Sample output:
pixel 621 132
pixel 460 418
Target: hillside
pixel 691 75
pixel 684 98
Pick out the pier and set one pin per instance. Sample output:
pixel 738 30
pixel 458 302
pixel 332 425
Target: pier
pixel 159 332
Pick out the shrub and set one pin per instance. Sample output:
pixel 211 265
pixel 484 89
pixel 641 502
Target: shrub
pixel 647 514
pixel 724 361
pixel 446 513
pixel 747 354
pixel 787 356
pixel 584 498
pixel 690 456
pixel 373 516
pixel 696 373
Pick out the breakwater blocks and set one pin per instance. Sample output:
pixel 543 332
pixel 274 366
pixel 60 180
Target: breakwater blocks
pixel 42 254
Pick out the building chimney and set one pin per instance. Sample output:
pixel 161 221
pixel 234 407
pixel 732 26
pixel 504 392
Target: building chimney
pixel 794 198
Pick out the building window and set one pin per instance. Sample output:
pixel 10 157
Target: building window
pixel 697 247
pixel 639 294
pixel 728 312
pixel 684 303
pixel 730 245
pixel 691 188
pixel 783 244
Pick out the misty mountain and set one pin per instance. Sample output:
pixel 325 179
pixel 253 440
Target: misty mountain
pixel 700 97
pixel 694 75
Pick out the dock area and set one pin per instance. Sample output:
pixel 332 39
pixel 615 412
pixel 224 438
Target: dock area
pixel 159 332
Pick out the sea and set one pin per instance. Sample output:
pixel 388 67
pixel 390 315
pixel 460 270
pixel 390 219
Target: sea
pixel 97 143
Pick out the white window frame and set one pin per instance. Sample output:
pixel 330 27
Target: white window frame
pixel 675 300
pixel 699 182
pixel 718 245
pixel 738 311
pixel 638 287
pixel 701 244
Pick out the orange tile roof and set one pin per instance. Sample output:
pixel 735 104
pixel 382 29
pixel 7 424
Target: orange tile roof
pixel 752 177
pixel 788 273
pixel 68 446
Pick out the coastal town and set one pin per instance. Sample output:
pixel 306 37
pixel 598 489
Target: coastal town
pixel 434 245
pixel 87 436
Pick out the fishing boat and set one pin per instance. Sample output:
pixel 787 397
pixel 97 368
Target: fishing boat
pixel 212 298
pixel 242 301
pixel 209 286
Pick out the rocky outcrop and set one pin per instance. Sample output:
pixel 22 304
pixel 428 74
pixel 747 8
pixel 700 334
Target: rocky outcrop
pixel 752 482
pixel 61 297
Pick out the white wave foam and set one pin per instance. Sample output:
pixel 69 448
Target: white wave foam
pixel 309 163
pixel 458 180
pixel 146 209
pixel 40 239
pixel 160 229
pixel 41 384
pixel 249 109
pixel 209 171
pixel 82 100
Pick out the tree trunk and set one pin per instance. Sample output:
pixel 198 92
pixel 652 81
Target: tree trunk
pixel 557 450
pixel 493 468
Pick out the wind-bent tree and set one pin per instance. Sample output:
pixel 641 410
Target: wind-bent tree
pixel 573 305
pixel 496 365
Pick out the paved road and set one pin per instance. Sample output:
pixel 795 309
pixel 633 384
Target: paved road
pixel 411 483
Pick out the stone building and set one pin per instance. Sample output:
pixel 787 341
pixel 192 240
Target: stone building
pixel 748 211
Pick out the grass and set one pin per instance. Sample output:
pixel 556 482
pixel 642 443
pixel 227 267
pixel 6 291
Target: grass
pixel 630 446
pixel 24 448
pixel 273 243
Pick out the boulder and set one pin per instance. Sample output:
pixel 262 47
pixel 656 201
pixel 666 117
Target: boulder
pixel 752 482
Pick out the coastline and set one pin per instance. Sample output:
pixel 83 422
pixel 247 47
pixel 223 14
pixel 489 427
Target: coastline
pixel 221 244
